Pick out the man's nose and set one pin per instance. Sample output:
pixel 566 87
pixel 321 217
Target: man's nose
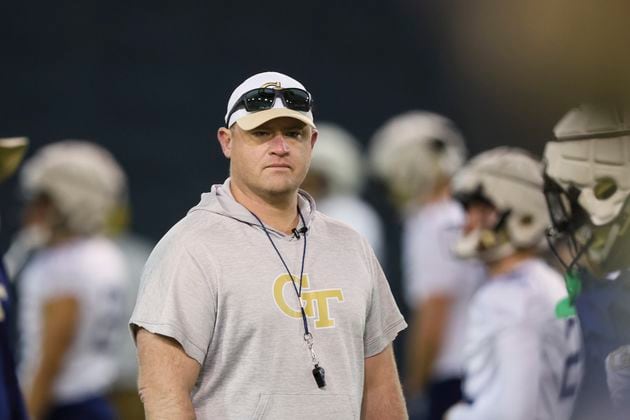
pixel 279 144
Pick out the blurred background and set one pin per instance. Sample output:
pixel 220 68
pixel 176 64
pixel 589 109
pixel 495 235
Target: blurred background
pixel 150 80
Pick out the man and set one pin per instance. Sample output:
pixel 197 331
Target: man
pixel 522 362
pixel 237 317
pixel 71 290
pixel 11 402
pixel 335 180
pixel 586 184
pixel 417 153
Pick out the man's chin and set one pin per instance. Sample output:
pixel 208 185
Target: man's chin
pixel 279 189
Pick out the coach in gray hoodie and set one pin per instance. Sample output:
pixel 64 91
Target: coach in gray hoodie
pixel 257 306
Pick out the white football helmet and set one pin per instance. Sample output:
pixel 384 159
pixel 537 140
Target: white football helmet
pixel 337 156
pixel 12 151
pixel 587 184
pixel 82 179
pixel 511 180
pixel 413 151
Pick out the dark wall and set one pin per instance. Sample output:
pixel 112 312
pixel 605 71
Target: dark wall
pixel 150 80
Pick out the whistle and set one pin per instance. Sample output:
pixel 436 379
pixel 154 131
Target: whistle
pixel 320 376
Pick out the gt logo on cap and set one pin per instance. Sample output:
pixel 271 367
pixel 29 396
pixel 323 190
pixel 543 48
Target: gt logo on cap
pixel 276 85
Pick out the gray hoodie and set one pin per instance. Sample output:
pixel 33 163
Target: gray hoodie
pixel 215 284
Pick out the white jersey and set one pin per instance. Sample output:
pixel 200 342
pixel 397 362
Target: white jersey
pixel 136 251
pixel 522 363
pixel 359 215
pixel 430 268
pixel 93 271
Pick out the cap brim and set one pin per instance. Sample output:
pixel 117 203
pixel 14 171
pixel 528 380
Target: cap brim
pixel 255 119
pixel 11 153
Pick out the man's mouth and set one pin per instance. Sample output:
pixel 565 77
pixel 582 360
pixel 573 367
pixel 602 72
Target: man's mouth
pixel 279 166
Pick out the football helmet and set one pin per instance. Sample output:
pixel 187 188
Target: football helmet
pixel 82 179
pixel 413 151
pixel 337 157
pixel 587 185
pixel 510 180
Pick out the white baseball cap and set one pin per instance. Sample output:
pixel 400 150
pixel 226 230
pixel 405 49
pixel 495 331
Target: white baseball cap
pixel 250 120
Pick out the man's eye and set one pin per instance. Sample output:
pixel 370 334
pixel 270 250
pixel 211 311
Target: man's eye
pixel 260 133
pixel 294 134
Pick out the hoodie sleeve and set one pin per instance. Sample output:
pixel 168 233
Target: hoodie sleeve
pixel 384 320
pixel 175 297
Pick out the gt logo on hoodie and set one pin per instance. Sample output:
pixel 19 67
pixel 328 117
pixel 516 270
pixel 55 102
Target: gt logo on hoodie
pixel 316 302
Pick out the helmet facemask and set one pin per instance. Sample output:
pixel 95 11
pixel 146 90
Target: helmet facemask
pixel 605 248
pixel 589 206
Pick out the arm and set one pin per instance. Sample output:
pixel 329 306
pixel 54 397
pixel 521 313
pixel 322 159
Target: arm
pixel 60 318
pixel 382 396
pixel 166 377
pixel 430 320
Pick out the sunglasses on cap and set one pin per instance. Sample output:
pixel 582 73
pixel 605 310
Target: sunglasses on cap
pixel 263 98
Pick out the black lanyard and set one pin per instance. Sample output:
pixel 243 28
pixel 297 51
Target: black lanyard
pixel 318 371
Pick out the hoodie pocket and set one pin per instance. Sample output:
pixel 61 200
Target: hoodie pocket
pixel 305 407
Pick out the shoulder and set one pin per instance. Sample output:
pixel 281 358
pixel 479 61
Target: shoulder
pixel 346 207
pixel 503 297
pixel 93 252
pixel 77 267
pixel 337 235
pixel 529 292
pixel 430 235
pixel 192 242
pixel 98 246
pixel 439 222
pixel 332 225
pixel 444 213
pixel 335 228
pixel 196 227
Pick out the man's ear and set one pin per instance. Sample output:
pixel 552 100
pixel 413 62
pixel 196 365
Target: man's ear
pixel 224 135
pixel 314 135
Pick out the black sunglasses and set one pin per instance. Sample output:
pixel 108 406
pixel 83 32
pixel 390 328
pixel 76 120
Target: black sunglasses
pixel 263 98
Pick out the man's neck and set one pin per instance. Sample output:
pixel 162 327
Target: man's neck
pixel 61 237
pixel 440 192
pixel 509 263
pixel 279 213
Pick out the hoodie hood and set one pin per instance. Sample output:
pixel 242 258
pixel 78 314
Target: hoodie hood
pixel 221 201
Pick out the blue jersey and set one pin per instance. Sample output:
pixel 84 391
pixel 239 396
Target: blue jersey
pixel 604 313
pixel 11 403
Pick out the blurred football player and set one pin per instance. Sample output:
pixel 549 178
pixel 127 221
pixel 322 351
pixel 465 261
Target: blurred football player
pixel 618 378
pixel 136 250
pixel 416 154
pixel 71 290
pixel 336 178
pixel 11 402
pixel 522 362
pixel 587 185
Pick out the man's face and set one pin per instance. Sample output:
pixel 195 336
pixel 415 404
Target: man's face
pixel 480 216
pixel 478 231
pixel 271 160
